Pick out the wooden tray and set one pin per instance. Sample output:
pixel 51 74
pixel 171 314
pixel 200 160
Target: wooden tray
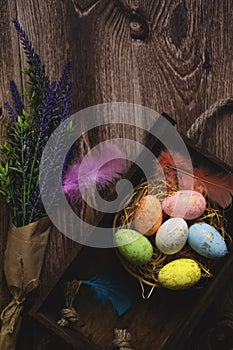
pixel 165 321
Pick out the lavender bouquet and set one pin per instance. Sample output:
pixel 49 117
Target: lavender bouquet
pixel 28 128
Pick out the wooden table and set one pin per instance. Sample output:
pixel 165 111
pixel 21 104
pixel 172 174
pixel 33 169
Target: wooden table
pixel 173 56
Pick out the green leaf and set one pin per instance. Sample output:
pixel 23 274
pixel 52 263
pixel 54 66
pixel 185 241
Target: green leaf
pixel 25 71
pixel 25 114
pixel 6 167
pixel 3 193
pixel 15 169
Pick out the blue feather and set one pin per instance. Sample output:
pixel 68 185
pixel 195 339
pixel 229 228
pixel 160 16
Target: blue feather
pixel 107 290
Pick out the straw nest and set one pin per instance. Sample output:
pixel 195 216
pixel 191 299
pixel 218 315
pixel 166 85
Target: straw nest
pixel 147 274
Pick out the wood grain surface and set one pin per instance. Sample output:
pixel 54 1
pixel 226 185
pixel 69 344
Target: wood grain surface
pixel 172 55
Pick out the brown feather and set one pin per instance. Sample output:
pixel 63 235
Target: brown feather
pixel 167 169
pixel 218 185
pixel 206 179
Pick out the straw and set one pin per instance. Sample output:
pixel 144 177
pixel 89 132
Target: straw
pixel 148 274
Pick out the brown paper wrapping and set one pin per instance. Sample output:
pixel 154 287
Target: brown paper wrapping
pixel 8 340
pixel 22 266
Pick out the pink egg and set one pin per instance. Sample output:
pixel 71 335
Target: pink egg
pixel 185 204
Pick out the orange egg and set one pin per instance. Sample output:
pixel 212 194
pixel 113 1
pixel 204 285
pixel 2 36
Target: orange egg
pixel 148 215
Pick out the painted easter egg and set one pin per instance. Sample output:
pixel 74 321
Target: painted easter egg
pixel 135 247
pixel 172 236
pixel 148 215
pixel 179 274
pixel 185 204
pixel 206 241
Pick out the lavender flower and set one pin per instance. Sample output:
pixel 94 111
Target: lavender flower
pixel 67 102
pixel 26 43
pixel 48 104
pixel 45 113
pixel 36 70
pixel 10 112
pixel 63 97
pixel 62 83
pixel 18 104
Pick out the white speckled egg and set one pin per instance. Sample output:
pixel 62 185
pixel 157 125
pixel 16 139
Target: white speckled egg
pixel 172 236
pixel 206 241
pixel 185 204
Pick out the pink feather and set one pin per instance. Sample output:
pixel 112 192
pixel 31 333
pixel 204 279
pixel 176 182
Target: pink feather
pixel 96 170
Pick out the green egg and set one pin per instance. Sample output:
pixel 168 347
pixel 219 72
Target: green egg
pixel 135 247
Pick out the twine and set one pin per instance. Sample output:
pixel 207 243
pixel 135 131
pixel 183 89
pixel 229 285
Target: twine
pixel 122 339
pixel 197 130
pixel 11 313
pixel 69 314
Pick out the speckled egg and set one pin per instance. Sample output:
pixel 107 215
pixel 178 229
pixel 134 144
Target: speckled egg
pixel 148 215
pixel 179 274
pixel 185 204
pixel 206 241
pixel 172 236
pixel 135 247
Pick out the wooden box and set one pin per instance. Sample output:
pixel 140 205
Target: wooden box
pixel 164 321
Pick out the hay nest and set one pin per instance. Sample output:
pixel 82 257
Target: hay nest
pixel 147 274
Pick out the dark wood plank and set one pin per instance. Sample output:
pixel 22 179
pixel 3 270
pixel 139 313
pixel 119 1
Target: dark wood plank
pixel 181 67
pixel 219 34
pixel 215 331
pixel 10 69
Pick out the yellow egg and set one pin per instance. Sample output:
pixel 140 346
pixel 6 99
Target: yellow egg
pixel 179 274
pixel 148 215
